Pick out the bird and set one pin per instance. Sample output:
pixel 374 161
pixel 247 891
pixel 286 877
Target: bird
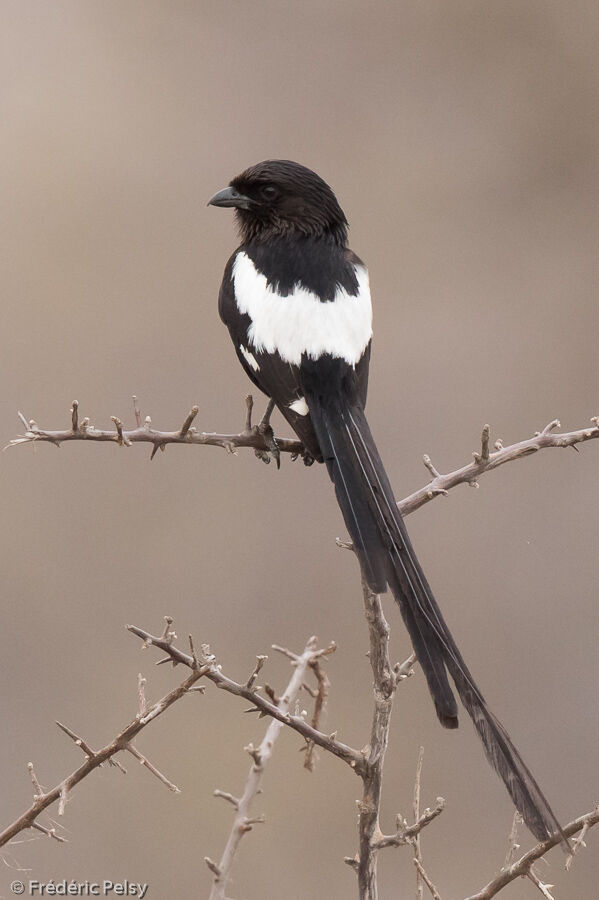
pixel 296 301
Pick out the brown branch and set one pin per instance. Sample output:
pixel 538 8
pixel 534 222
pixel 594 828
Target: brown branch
pixel 243 822
pixel 522 866
pixel 416 811
pixel 369 763
pixel 212 673
pixel 94 759
pixel 484 461
pixel 320 698
pixel 386 678
pixel 261 439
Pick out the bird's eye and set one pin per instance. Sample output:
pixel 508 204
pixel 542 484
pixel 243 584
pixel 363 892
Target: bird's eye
pixel 269 192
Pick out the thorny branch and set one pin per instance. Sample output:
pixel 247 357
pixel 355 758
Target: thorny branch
pixel 368 763
pixel 386 679
pixel 523 866
pixel 485 461
pixel 260 755
pixel 206 668
pixel 261 438
pixel 259 703
pixel 95 758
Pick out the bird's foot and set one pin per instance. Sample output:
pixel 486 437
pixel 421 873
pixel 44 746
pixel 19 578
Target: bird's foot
pixel 264 428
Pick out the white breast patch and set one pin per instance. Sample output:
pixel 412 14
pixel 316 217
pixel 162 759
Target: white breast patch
pixel 301 322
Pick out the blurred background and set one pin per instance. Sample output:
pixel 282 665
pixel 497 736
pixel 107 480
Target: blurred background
pixel 462 140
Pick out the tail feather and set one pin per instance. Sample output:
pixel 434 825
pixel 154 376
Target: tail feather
pixel 387 558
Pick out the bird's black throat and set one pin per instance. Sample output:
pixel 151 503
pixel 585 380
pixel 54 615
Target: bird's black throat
pixel 318 264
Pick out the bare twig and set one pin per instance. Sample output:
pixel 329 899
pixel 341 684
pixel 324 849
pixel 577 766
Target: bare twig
pixel 513 844
pixel 386 679
pixel 484 461
pixel 523 865
pixel 145 762
pixel 320 698
pixel 261 439
pixel 406 833
pixel 416 810
pixel 425 877
pixel 260 660
pixel 374 755
pixel 94 759
pixel 214 674
pixel 260 756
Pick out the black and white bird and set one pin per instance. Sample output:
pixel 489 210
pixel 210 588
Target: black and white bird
pixel 296 301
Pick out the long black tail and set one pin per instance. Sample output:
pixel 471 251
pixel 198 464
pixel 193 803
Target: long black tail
pixel 388 559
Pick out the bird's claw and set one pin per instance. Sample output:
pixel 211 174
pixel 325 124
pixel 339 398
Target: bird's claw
pixel 271 442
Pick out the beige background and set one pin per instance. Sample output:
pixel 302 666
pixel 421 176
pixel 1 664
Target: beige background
pixel 462 140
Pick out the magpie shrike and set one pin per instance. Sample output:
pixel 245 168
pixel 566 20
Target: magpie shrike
pixel 296 301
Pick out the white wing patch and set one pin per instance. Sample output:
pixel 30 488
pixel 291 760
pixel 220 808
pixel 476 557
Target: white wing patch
pixel 301 322
pixel 249 358
pixel 300 407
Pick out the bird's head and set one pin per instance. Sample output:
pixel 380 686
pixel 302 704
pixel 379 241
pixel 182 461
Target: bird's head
pixel 279 197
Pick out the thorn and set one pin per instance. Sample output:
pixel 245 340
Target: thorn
pixel 213 867
pixel 260 660
pixel 254 752
pixel 136 412
pixel 256 820
pixel 187 423
pixel 552 426
pixel 285 651
pixel 166 659
pixel 168 635
pixel 234 801
pixel 51 832
pixel 121 439
pixel 26 423
pixel 78 741
pixel 485 444
pixel 196 662
pixel 269 691
pixel 39 792
pixel 62 800
pixel 145 762
pixel 141 692
pixel 75 417
pixel 428 463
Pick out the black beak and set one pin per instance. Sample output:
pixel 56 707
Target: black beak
pixel 230 197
